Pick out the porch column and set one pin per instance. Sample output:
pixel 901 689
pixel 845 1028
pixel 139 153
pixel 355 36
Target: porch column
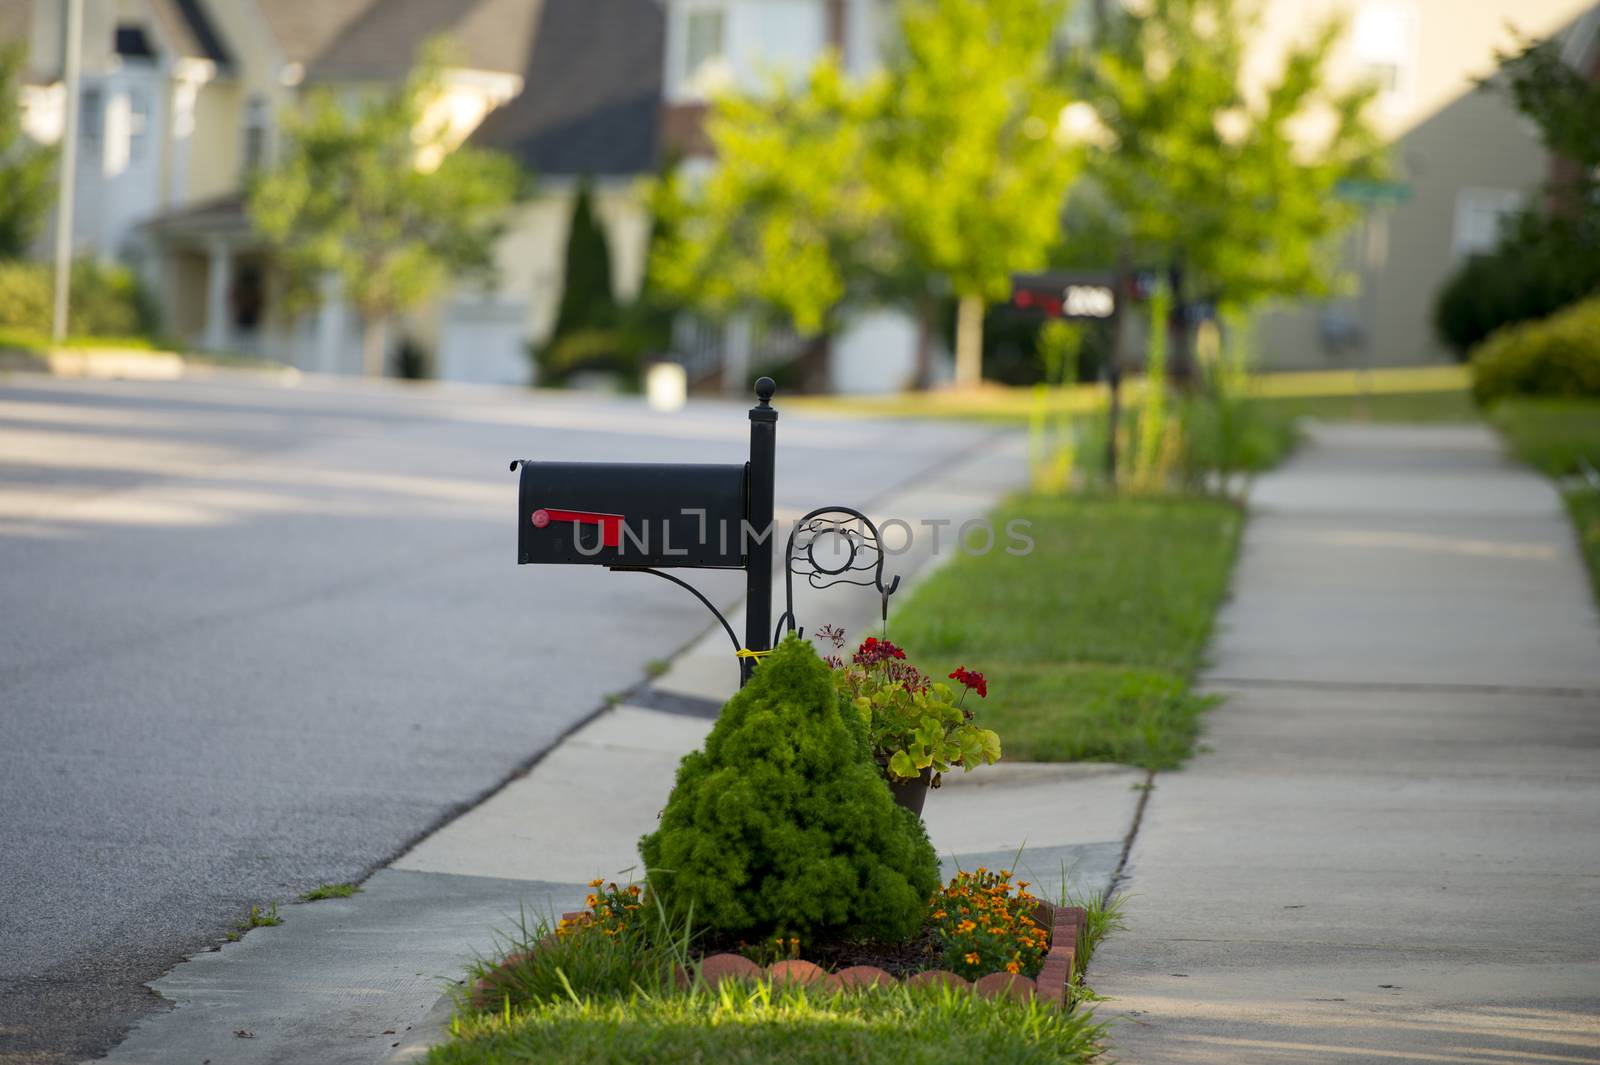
pixel 329 328
pixel 219 284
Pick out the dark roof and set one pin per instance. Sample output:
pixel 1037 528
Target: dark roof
pixel 183 22
pixel 592 91
pixel 218 214
pixel 336 39
pixel 191 28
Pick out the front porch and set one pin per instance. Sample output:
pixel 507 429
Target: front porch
pixel 219 294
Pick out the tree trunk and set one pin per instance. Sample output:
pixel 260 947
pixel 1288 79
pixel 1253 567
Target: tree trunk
pixel 926 309
pixel 374 342
pixel 969 342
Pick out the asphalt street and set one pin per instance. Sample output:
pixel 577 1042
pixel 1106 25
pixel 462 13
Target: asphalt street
pixel 256 637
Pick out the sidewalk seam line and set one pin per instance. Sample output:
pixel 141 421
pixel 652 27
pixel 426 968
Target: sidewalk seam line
pixel 1119 874
pixel 1399 686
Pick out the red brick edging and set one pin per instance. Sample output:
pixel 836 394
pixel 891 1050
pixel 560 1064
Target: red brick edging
pixel 1052 985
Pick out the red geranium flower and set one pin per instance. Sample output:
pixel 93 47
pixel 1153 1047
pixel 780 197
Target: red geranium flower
pixel 873 650
pixel 971 678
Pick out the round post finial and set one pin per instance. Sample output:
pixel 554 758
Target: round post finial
pixel 765 387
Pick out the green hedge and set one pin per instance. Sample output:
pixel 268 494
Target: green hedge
pixel 1554 356
pixel 106 300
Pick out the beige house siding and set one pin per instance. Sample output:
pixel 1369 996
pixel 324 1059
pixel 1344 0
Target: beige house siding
pixel 1448 139
pixel 531 257
pixel 216 146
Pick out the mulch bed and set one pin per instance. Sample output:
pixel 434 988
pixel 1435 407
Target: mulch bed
pixel 899 960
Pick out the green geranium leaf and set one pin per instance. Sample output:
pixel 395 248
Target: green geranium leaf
pixel 901 765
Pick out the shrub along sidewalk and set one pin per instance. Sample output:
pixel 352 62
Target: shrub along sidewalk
pixel 1091 639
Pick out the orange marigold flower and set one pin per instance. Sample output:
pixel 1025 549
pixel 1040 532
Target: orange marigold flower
pixel 972 958
pixel 966 926
pixel 1013 967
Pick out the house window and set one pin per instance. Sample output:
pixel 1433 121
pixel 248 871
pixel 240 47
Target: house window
pixel 256 120
pixel 1480 214
pixel 91 119
pixel 1384 39
pixel 703 40
pixel 131 42
pixel 138 123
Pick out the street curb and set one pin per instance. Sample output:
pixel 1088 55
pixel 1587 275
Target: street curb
pixel 429 1032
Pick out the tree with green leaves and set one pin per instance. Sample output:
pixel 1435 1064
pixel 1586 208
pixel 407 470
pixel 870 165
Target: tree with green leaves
pixel 1565 105
pixel 968 150
pixel 947 165
pixel 1233 184
pixel 785 224
pixel 379 196
pixel 27 170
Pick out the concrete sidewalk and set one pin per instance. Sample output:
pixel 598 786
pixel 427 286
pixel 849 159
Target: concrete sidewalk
pixel 1391 851
pixel 360 980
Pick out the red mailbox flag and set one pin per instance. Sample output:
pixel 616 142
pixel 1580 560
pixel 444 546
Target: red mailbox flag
pixel 610 524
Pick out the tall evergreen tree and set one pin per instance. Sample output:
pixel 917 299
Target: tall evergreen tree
pixel 587 300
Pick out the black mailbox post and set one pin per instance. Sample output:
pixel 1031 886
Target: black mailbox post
pixel 650 517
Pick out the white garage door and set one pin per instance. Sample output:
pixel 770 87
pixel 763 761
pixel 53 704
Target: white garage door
pixel 484 342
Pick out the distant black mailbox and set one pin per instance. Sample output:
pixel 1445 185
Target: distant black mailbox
pixel 633 515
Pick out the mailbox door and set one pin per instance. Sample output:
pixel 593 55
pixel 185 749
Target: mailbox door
pixel 632 514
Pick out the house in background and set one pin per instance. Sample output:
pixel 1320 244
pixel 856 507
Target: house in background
pixel 1465 158
pixel 183 99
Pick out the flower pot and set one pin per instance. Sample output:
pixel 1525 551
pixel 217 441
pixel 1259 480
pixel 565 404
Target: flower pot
pixel 912 793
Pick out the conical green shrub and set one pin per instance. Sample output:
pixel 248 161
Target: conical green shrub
pixel 783 825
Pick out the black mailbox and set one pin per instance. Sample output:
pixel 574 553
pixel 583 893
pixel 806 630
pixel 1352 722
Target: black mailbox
pixel 660 515
pixel 648 517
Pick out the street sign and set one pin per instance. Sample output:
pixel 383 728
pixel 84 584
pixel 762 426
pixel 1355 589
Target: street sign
pixel 1372 192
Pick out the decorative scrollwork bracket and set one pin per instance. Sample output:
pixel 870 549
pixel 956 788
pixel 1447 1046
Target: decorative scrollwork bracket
pixel 858 559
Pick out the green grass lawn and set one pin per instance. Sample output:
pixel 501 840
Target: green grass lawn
pixel 1088 642
pixel 1560 437
pixel 27 340
pixel 732 1026
pixel 1552 435
pixel 1407 394
pixel 1584 506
